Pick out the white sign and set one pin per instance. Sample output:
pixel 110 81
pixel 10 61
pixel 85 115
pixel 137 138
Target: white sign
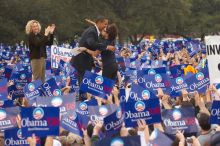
pixel 58 53
pixel 65 54
pixel 213 56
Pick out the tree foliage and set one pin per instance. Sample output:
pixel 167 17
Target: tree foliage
pixel 134 18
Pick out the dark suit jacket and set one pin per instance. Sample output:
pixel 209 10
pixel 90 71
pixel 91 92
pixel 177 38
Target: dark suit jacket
pixel 90 40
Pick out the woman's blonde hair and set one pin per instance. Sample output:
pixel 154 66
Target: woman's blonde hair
pixel 29 25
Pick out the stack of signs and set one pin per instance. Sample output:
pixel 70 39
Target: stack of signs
pixel 199 81
pixel 120 141
pixel 41 121
pixel 96 84
pixel 50 88
pixel 8 117
pixel 149 110
pixel 179 119
pixel 31 91
pixel 66 103
pixel 215 113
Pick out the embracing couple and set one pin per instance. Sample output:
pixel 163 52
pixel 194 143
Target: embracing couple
pixel 97 39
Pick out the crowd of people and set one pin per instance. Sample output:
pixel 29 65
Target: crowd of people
pixel 99 53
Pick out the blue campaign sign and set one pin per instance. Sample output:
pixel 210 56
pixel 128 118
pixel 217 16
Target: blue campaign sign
pixel 177 84
pixel 16 91
pixel 120 141
pixel 121 62
pixel 151 71
pixel 7 55
pixel 66 103
pixel 131 74
pixel 215 113
pixel 179 119
pixel 8 117
pixel 83 120
pixel 17 67
pixel 50 88
pixel 122 95
pixel 61 81
pixel 199 82
pixel 13 137
pixel 3 89
pixel 134 64
pixel 146 65
pixel 153 82
pixel 48 64
pixel 70 123
pixel 6 103
pixel 82 107
pixel 156 63
pixel 149 110
pixel 100 112
pixel 74 84
pixel 113 122
pixel 177 70
pixel 21 77
pixel 138 93
pixel 158 138
pixel 32 90
pixel 56 71
pixel 5 72
pixel 96 85
pixel 41 121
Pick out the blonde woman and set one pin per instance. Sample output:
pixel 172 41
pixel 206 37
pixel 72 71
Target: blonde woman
pixel 37 43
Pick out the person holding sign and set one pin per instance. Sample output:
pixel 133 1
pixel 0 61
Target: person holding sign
pixel 37 45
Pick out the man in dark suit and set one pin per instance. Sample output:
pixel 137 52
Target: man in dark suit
pixel 89 40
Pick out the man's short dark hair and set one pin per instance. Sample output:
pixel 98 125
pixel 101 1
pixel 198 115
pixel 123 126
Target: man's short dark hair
pixel 204 121
pixel 100 19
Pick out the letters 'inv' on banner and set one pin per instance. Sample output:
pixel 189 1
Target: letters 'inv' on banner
pixel 213 56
